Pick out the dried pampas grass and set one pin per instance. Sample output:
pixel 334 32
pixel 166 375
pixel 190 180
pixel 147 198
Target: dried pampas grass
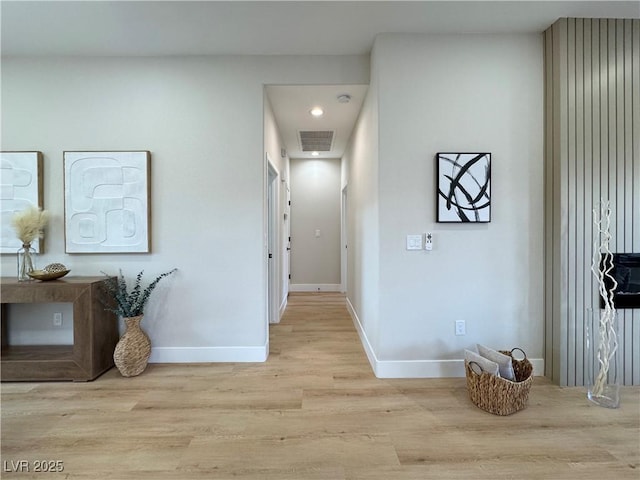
pixel 29 224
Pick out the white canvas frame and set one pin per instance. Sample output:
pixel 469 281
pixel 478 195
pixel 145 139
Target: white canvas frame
pixel 20 188
pixel 107 202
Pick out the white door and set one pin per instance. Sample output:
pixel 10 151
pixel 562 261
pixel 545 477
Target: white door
pixel 286 254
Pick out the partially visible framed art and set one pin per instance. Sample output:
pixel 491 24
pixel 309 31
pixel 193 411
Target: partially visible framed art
pixel 464 187
pixel 21 186
pixel 107 199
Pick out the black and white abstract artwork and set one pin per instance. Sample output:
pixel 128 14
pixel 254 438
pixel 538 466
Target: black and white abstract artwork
pixel 464 187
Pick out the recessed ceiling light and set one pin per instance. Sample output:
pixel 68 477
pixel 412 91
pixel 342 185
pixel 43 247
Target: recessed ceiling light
pixel 317 112
pixel 315 154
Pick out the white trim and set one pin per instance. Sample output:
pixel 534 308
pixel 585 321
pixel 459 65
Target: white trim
pixel 433 368
pixel 272 241
pixel 417 368
pixel 314 287
pixel 344 253
pixel 209 354
pixel 283 307
pixel 368 349
pixel 420 368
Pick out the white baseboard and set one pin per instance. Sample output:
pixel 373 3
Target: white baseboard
pixel 209 354
pixel 417 368
pixel 434 368
pixel 283 307
pixel 314 287
pixel 368 349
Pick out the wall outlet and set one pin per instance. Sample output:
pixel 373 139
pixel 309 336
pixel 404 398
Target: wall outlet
pixel 57 319
pixel 461 328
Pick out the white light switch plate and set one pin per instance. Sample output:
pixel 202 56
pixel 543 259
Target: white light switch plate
pixel 414 242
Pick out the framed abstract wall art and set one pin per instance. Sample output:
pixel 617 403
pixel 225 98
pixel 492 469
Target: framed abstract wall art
pixel 21 186
pixel 107 199
pixel 464 187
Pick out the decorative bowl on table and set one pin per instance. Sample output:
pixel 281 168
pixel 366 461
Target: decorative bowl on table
pixel 50 272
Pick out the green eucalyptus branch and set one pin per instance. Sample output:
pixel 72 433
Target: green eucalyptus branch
pixel 127 303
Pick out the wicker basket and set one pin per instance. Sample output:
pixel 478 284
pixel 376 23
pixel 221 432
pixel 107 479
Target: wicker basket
pixel 498 395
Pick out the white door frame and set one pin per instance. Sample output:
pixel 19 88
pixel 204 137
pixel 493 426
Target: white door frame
pixel 272 249
pixel 286 244
pixel 344 240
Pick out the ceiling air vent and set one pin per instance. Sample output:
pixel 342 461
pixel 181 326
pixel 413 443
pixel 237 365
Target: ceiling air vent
pixel 316 141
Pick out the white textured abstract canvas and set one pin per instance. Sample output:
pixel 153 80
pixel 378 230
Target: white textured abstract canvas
pixel 20 188
pixel 107 202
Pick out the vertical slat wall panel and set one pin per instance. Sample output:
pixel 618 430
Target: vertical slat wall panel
pixel 626 317
pixel 595 131
pixel 580 216
pixel 592 151
pixel 563 183
pixel 548 205
pixel 589 191
pixel 634 141
pixel 571 202
pixel 551 275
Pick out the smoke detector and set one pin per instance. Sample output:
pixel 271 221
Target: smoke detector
pixel 344 98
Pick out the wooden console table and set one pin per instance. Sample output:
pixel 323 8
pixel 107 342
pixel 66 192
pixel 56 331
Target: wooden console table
pixel 95 332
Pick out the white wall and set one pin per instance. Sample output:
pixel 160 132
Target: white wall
pixel 32 324
pixel 455 93
pixel 202 119
pixel 315 207
pixel 361 179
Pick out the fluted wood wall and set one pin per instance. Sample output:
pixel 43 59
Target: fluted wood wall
pixel 592 151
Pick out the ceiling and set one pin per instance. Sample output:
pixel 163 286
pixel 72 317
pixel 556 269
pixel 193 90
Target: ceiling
pixel 292 106
pixel 149 28
pixel 92 27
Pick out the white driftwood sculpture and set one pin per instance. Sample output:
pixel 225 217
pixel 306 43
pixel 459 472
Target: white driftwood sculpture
pixel 601 266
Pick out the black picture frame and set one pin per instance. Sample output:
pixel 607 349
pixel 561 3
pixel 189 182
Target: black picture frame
pixel 464 187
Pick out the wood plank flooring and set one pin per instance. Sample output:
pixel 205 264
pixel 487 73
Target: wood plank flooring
pixel 313 411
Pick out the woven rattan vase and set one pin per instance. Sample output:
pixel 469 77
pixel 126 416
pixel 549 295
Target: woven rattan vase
pixel 132 351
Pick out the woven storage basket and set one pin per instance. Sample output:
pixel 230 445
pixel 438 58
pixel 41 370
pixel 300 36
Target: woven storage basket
pixel 498 395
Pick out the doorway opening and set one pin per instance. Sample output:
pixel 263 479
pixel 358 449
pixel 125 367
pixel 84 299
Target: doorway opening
pixel 305 201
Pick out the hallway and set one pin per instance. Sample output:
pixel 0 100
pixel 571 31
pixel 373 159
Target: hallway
pixel 313 411
pixel 316 332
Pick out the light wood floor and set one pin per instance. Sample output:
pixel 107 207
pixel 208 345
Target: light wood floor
pixel 313 411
